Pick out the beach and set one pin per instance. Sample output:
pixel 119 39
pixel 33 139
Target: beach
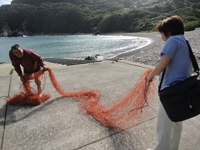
pixel 146 55
pixel 58 122
pixel 149 55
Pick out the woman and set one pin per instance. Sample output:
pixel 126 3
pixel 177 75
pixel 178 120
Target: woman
pixel 175 59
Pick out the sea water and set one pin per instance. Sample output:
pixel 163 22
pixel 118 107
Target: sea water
pixel 75 46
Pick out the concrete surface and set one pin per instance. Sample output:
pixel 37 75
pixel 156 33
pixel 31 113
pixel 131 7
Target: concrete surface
pixel 58 125
pixel 5 82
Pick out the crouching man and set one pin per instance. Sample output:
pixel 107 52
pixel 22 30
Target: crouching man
pixel 30 61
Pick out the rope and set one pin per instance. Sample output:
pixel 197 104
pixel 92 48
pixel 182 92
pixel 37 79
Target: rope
pixel 121 114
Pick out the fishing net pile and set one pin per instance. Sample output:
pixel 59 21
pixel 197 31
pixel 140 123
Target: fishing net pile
pixel 125 112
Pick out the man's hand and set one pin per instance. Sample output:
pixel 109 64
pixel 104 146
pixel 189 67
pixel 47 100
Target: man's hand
pixel 44 68
pixel 22 78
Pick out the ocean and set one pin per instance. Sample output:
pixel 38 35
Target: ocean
pixel 73 46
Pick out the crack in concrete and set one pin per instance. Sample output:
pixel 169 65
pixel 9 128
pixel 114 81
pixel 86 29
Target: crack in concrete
pixel 4 126
pixel 114 133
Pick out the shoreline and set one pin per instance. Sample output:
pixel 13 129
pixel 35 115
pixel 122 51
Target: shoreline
pixel 149 54
pixel 153 37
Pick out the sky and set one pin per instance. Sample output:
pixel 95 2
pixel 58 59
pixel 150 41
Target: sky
pixel 5 2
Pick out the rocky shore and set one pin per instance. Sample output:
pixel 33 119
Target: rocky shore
pixel 150 54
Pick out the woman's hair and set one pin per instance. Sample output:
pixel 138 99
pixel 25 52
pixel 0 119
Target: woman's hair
pixel 171 26
pixel 16 46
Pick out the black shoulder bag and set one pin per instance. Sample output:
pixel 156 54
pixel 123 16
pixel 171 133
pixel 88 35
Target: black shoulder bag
pixel 181 100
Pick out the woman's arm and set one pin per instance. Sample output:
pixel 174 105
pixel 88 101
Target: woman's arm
pixel 164 61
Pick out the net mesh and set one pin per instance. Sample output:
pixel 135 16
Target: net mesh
pixel 125 112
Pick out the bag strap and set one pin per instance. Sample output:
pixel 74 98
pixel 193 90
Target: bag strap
pixel 193 59
pixel 194 64
pixel 159 87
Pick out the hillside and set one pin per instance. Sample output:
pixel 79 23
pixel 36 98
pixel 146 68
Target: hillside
pixel 88 16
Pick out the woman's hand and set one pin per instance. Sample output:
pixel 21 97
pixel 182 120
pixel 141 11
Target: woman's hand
pixel 149 79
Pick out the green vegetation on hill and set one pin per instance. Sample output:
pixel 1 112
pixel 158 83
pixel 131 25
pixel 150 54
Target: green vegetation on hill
pixel 88 16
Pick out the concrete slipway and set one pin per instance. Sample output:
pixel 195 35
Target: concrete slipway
pixel 57 124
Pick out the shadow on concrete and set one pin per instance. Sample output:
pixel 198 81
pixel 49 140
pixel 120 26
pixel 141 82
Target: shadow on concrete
pixel 122 140
pixel 14 108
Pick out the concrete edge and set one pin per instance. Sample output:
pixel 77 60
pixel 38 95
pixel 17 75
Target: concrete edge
pixel 137 64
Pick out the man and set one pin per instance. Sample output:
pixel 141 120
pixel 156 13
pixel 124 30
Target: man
pixel 29 60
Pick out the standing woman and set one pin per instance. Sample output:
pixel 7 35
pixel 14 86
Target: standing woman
pixel 175 59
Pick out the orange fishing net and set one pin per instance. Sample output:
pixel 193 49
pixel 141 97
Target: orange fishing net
pixel 125 112
pixel 28 96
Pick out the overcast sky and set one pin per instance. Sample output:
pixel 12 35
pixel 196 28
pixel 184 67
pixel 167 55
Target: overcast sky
pixel 5 2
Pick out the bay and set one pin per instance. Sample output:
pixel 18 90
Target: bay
pixel 73 46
